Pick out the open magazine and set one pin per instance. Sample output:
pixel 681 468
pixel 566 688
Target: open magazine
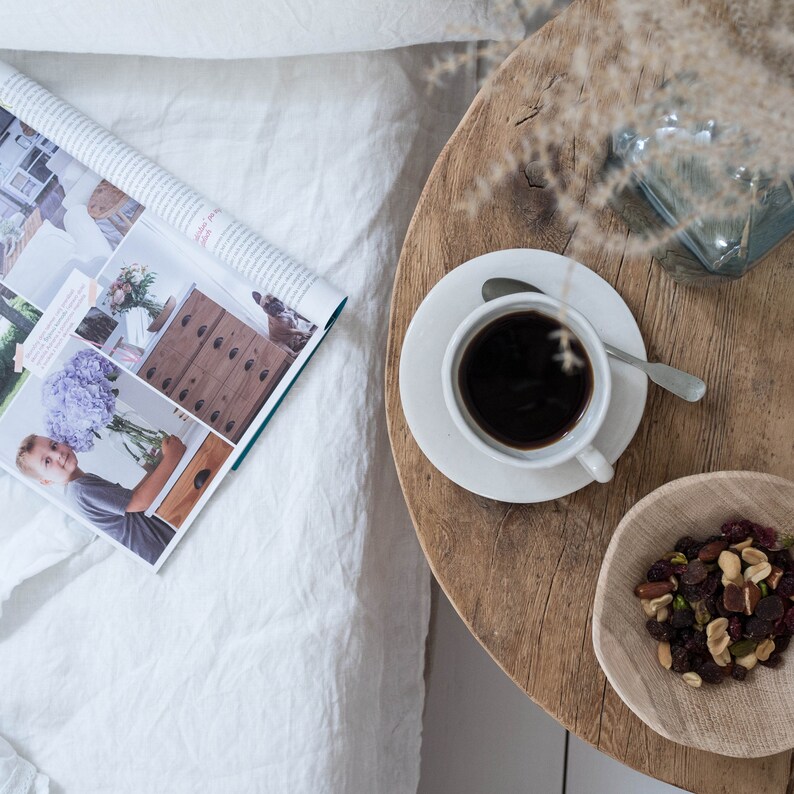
pixel 145 335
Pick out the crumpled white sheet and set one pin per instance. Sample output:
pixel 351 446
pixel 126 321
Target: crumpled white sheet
pixel 281 648
pixel 250 28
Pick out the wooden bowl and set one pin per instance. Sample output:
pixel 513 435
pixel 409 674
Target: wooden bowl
pixel 747 719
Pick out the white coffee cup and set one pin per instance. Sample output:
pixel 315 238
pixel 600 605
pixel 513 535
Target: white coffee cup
pixel 577 442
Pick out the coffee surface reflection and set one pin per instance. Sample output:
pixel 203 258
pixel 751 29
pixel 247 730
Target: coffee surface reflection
pixel 512 381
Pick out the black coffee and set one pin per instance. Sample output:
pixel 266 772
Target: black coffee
pixel 513 385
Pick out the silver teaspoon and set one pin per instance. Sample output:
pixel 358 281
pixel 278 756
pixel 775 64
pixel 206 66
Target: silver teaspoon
pixel 680 383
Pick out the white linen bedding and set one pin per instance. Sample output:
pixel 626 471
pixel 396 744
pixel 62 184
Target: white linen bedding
pixel 281 647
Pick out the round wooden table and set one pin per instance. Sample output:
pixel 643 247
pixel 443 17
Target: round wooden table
pixel 523 577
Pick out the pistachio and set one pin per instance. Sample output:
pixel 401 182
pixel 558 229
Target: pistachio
pixel 773 580
pixel 742 647
pixel 764 650
pixel 693 679
pixel 702 614
pixel 663 614
pixel 752 555
pixel 755 573
pixel 679 602
pixel 742 546
pixel 665 657
pixel 730 564
pixel 717 627
pixel 748 661
pixel 762 586
pixel 661 601
pixel 652 589
pixel 679 559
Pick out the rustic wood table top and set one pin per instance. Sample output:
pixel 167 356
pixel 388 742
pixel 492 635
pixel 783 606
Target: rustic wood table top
pixel 523 577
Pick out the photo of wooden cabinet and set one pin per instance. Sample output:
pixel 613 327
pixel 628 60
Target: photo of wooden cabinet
pixel 214 365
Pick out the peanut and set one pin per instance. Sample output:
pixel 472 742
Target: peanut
pixel 753 556
pixel 743 545
pixel 693 679
pixel 717 627
pixel 748 661
pixel 722 658
pixel 730 564
pixel 665 657
pixel 717 645
pixel 662 601
pixel 663 614
pixel 645 603
pixel 764 650
pixel 755 573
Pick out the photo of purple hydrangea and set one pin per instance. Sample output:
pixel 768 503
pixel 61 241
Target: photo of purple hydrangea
pixel 79 400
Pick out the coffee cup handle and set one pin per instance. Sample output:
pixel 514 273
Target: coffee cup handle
pixel 596 464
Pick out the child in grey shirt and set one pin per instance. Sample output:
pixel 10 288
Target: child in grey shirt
pixel 110 507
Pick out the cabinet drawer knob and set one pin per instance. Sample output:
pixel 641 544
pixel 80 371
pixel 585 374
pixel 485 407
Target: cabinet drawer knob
pixel 201 478
pixel 214 416
pixel 263 374
pixel 229 426
pixel 218 342
pixel 166 383
pixel 248 364
pixel 150 372
pixel 186 320
pixel 233 352
pixel 198 405
pixel 201 331
pixel 183 394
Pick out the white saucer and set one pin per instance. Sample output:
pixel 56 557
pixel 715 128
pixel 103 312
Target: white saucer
pixel 431 329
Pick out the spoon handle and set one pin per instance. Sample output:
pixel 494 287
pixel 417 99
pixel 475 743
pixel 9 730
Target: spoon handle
pixel 680 383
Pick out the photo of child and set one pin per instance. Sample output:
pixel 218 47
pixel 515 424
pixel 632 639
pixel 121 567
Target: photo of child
pixel 106 447
pixel 114 509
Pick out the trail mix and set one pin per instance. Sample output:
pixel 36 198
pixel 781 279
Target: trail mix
pixel 720 606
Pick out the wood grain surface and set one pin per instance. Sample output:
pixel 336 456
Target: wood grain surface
pixel 523 577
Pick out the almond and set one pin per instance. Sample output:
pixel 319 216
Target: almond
pixel 711 551
pixel 733 597
pixel 751 594
pixel 652 589
pixel 773 580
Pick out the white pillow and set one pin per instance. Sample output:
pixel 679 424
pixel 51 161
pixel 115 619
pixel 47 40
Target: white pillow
pixel 34 534
pixel 250 28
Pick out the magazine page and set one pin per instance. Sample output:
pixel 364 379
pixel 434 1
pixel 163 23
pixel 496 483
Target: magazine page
pixel 171 199
pixel 135 370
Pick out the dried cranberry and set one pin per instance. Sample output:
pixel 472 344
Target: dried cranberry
pixel 682 618
pixel 774 660
pixel 770 608
pixel 766 536
pixel 736 531
pixel 679 568
pixel 659 571
pixel 697 643
pixel 785 587
pixel 711 673
pixel 757 628
pixel 690 591
pixel 739 673
pixel 695 573
pixel 712 583
pixel 659 631
pixel 681 662
pixel 734 627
